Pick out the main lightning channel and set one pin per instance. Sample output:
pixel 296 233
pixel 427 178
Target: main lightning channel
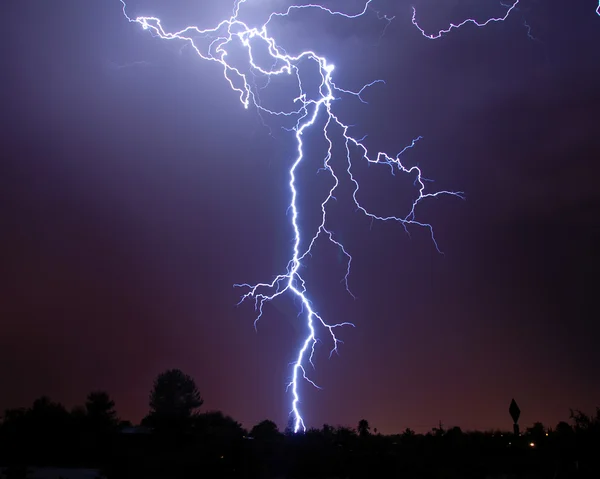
pixel 224 37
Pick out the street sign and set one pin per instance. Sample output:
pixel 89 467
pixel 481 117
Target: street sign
pixel 514 411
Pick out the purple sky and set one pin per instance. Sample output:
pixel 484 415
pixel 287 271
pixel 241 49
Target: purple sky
pixel 137 191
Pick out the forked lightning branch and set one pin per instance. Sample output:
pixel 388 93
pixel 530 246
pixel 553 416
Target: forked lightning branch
pixel 216 44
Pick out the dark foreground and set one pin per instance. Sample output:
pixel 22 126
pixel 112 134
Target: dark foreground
pixel 176 441
pixel 217 450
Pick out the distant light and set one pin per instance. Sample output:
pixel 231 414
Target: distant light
pixel 532 444
pixel 546 434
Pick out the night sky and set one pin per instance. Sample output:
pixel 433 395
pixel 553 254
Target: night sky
pixel 136 190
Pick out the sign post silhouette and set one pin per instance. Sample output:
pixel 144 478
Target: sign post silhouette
pixel 515 413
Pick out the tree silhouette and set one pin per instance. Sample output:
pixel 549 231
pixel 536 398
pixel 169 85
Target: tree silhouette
pixel 265 431
pixel 174 399
pixel 563 429
pixel 584 422
pixel 39 432
pixel 100 411
pixel 328 431
pixel 47 418
pixel 48 410
pixel 438 431
pixel 216 424
pixel 363 428
pixel 345 435
pixel 537 432
pixel 289 428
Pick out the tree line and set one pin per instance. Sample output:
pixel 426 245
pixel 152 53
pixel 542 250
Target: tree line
pixel 176 439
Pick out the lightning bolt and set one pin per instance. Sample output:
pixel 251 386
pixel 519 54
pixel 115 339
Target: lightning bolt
pixel 218 43
pixel 435 36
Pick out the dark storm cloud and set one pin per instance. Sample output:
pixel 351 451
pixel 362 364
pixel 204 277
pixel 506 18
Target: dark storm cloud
pixel 558 133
